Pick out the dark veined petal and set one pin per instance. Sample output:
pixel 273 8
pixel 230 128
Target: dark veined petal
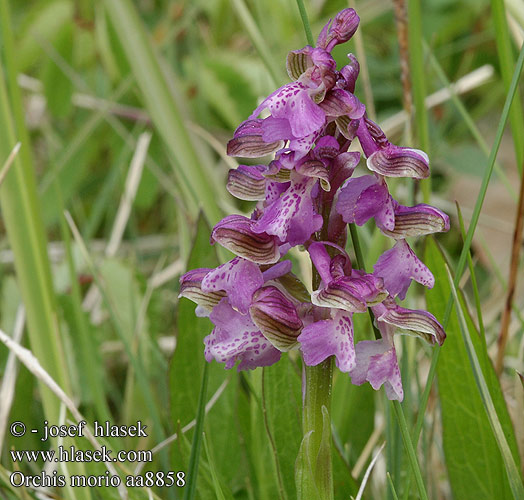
pixel 394 161
pixel 236 338
pixel 248 142
pixel 239 278
pixel 191 288
pixel 315 168
pixel 418 220
pixel 329 337
pixel 340 30
pixel 298 62
pixel 247 182
pixel 414 322
pixel 339 102
pixel 350 72
pixel 398 266
pixel 276 316
pixel 235 233
pixel 376 133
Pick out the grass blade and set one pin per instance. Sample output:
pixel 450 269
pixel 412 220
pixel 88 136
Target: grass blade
pixel 511 468
pixel 162 105
pixel 192 470
pixel 505 53
pixel 418 82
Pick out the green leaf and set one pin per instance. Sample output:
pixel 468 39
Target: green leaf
pixel 188 360
pixel 282 404
pixel 475 466
pixel 58 88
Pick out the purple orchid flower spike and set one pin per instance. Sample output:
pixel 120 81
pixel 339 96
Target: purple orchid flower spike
pixel 306 194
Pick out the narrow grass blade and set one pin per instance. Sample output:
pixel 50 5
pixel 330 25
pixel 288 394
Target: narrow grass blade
pixel 418 82
pixel 476 294
pixel 368 473
pixel 408 444
pixel 216 483
pixel 258 41
pixel 163 107
pixel 512 470
pixel 9 162
pixel 192 469
pixel 506 58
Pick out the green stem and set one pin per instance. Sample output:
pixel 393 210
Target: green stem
pixel 305 22
pixel 314 469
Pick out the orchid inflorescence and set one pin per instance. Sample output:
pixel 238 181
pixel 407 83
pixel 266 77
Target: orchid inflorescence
pixel 306 196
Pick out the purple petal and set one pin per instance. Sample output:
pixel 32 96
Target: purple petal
pixel 364 197
pixel 398 266
pixel 247 182
pixel 342 293
pixel 321 260
pixel 293 103
pixel 339 102
pixel 340 30
pixel 276 316
pixel 248 142
pixel 418 220
pixel 394 161
pixel 330 337
pixel 191 288
pixel 292 217
pixel 275 129
pixel 234 338
pixel 239 278
pixel 419 323
pixel 235 233
pixel 326 147
pixel 303 145
pixel 316 169
pixel 350 72
pixel 376 362
pixel 278 270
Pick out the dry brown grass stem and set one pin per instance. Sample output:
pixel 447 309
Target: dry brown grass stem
pixel 512 280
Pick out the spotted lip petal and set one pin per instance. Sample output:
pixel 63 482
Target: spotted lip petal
pixel 247 141
pixel 239 278
pixel 247 182
pixel 330 337
pixel 276 317
pixel 398 266
pixel 293 103
pixel 291 217
pixel 417 221
pixel 376 362
pixel 414 322
pixel 394 161
pixel 235 232
pixel 364 197
pixel 191 288
pixel 236 338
